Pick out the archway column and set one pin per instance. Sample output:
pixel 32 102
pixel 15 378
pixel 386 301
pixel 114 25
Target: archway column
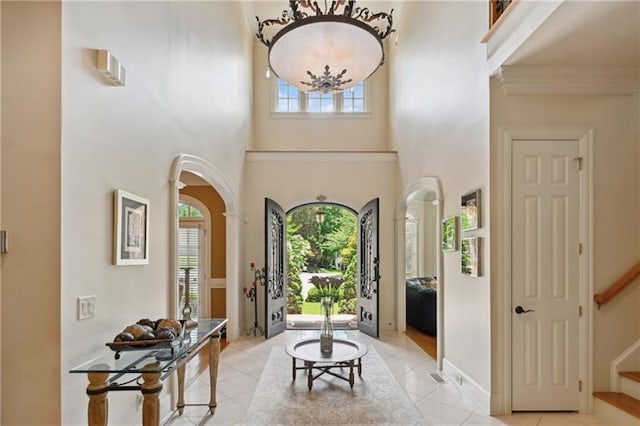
pixel 401 307
pixel 234 224
pixel 205 170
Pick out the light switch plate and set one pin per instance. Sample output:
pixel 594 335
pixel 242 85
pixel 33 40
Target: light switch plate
pixel 86 307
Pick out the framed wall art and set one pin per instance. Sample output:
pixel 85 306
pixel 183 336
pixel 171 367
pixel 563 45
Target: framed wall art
pixel 131 228
pixel 470 211
pixel 450 234
pixel 470 256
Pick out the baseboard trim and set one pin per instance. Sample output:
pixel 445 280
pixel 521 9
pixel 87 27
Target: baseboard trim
pixel 468 386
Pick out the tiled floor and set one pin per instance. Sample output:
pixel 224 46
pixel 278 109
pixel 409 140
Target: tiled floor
pixel 241 365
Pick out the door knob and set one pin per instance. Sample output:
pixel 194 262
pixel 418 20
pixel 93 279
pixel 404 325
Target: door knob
pixel 521 310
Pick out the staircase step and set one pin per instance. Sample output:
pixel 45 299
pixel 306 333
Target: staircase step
pixel 633 375
pixel 622 401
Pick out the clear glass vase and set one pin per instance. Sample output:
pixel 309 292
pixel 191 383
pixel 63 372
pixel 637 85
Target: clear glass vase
pixel 326 331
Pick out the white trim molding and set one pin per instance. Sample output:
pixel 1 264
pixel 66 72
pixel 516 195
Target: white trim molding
pixel 538 80
pixel 620 363
pixel 322 156
pixel 217 283
pixel 429 184
pixel 501 311
pixel 205 170
pixel 472 389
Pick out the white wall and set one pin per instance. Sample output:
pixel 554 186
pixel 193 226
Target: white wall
pixel 416 210
pixel 286 132
pixel 616 195
pixel 30 202
pixel 426 214
pixel 439 100
pixel 295 179
pixel 430 243
pixel 188 91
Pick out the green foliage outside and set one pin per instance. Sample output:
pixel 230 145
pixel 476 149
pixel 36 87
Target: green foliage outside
pixel 327 247
pixel 185 210
pixel 347 302
pixel 312 308
pixel 326 239
pixel 297 250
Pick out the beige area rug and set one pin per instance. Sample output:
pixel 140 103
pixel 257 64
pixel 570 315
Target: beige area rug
pixel 377 398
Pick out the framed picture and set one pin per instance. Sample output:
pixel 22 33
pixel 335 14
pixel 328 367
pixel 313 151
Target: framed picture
pixel 470 211
pixel 450 234
pixel 131 227
pixel 470 256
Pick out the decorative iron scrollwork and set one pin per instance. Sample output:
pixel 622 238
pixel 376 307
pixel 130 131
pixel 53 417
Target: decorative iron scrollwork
pixel 365 315
pixel 368 267
pixel 277 316
pixel 296 13
pixel 326 83
pixel 276 273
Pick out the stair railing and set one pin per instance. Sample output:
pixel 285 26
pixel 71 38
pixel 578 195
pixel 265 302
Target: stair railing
pixel 617 287
pixel 496 9
pixel 624 361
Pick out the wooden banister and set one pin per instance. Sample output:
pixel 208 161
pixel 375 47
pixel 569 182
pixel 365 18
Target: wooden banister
pixel 618 286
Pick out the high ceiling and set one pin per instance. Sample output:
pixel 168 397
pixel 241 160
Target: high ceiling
pixel 596 33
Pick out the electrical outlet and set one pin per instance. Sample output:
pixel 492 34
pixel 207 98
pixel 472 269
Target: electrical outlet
pixel 86 307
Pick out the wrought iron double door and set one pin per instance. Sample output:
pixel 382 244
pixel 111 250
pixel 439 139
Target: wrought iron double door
pixel 276 269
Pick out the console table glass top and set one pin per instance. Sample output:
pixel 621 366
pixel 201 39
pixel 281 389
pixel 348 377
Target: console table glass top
pixel 133 361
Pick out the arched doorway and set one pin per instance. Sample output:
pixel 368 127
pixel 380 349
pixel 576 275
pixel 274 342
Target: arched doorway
pixel 368 266
pixel 322 261
pixel 194 254
pixel 206 171
pixel 418 218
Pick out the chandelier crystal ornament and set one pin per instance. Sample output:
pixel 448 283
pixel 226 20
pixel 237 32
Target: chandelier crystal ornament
pixel 325 50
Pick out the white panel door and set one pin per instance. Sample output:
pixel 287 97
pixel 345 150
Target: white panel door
pixel 545 275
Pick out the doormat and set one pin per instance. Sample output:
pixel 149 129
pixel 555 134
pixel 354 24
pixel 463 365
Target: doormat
pixel 376 398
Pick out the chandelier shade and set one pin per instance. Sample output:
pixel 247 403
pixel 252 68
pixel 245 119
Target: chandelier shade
pixel 327 52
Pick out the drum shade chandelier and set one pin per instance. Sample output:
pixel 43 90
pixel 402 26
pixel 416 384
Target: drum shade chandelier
pixel 325 50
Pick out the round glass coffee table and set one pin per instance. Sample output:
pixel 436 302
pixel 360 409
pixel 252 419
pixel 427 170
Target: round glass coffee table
pixel 346 353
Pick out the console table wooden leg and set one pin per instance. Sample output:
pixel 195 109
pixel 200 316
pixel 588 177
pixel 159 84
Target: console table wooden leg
pixel 150 389
pixel 214 359
pixel 180 404
pixel 98 412
pixel 360 367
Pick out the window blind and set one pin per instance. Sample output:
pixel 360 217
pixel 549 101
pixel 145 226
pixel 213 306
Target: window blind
pixel 189 259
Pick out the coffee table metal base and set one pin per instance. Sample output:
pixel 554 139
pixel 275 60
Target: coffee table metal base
pixel 310 366
pixel 347 354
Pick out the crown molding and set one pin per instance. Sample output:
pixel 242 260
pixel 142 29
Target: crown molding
pixel 521 19
pixel 323 156
pixel 538 80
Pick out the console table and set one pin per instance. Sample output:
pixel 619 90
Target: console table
pixel 151 366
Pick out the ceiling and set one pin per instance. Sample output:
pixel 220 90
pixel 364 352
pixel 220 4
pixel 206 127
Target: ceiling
pixel 595 33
